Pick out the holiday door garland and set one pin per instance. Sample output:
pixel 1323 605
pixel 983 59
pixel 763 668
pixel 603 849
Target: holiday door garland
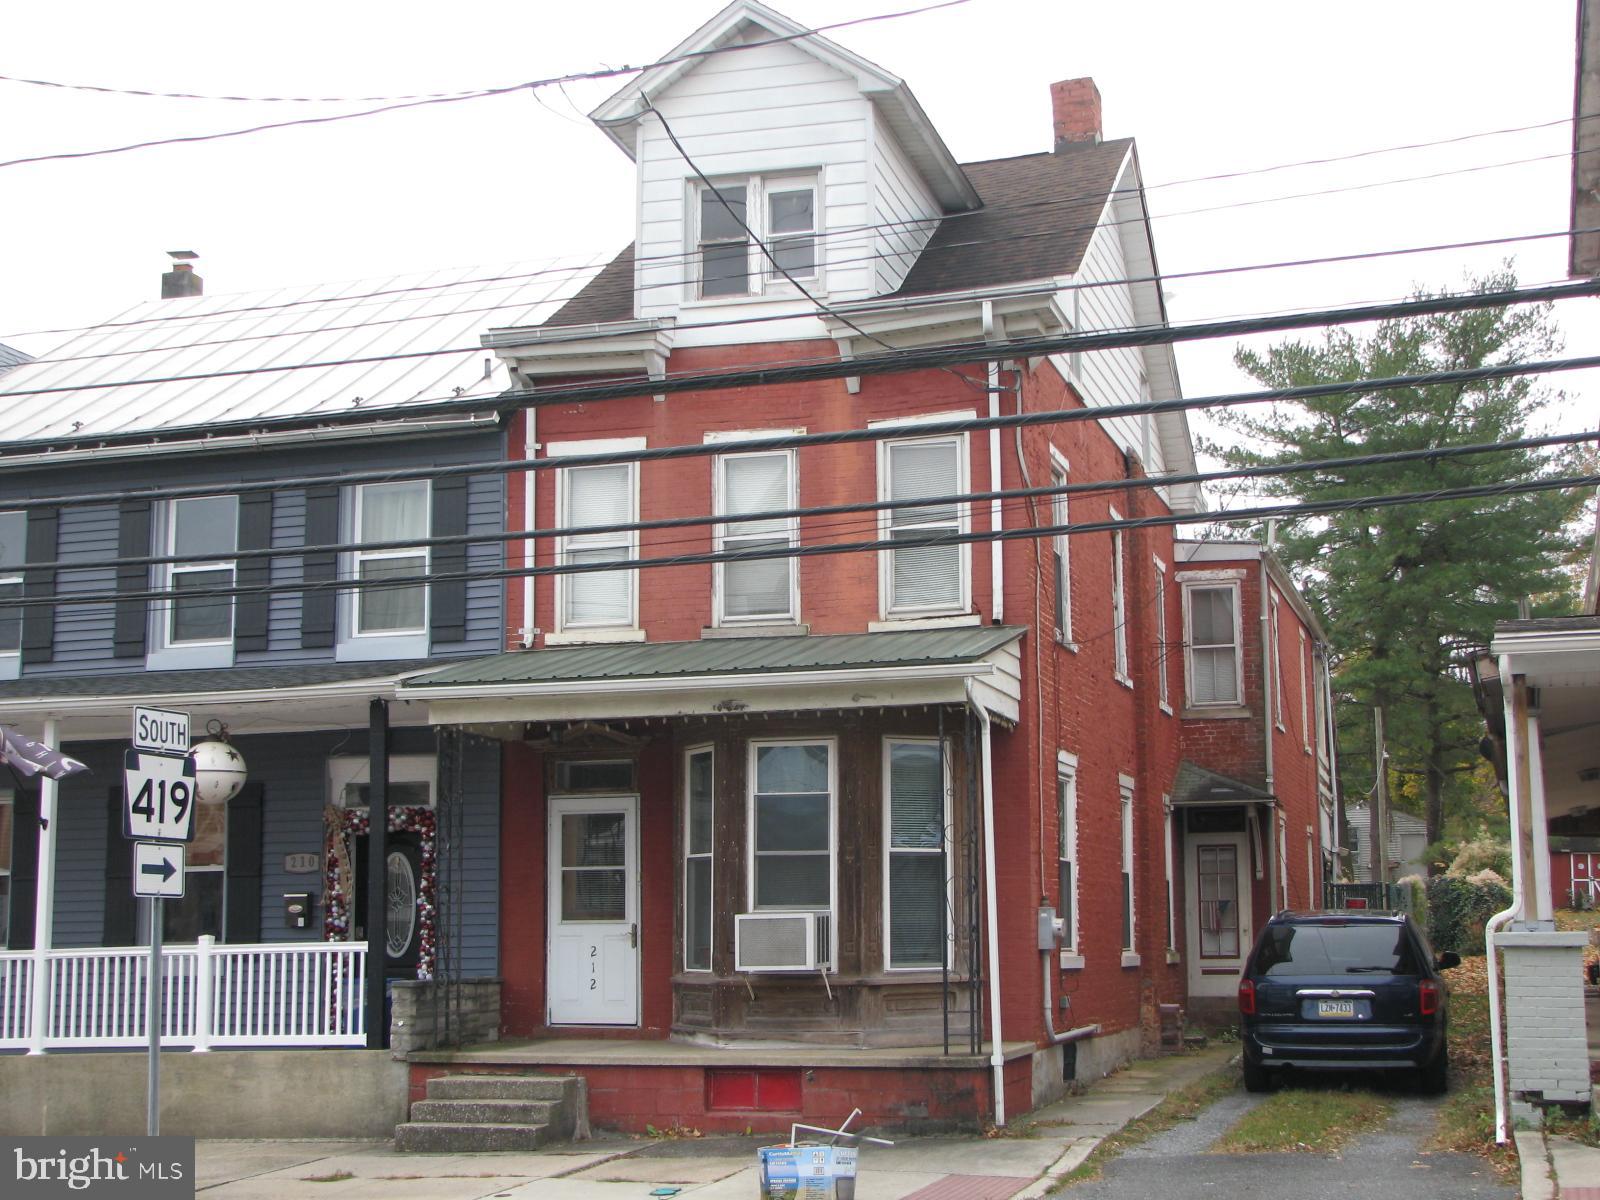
pixel 344 826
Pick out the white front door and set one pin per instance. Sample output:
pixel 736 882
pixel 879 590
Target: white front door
pixel 1217 883
pixel 593 968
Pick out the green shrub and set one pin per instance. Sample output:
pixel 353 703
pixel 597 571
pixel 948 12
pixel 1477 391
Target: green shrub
pixel 1458 909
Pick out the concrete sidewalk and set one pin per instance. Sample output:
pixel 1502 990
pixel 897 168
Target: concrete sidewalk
pixel 1048 1144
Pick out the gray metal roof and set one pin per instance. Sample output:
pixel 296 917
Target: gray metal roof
pixel 1200 785
pixel 233 679
pixel 10 357
pixel 726 656
pixel 145 348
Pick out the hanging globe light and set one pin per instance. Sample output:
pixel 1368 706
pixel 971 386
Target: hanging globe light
pixel 219 770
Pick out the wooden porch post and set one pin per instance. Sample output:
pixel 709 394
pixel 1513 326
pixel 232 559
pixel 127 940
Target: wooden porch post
pixel 376 871
pixel 44 902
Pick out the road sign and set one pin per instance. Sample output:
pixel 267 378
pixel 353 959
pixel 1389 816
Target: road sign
pixel 158 870
pixel 161 730
pixel 158 797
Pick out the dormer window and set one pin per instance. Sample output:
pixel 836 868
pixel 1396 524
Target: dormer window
pixel 780 210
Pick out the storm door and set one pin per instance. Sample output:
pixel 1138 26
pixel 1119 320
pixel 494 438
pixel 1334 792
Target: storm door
pixel 593 968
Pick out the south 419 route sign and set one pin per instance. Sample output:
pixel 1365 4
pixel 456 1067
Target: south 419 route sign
pixel 158 797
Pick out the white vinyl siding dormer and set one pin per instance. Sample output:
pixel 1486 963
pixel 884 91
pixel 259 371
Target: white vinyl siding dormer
pixel 905 211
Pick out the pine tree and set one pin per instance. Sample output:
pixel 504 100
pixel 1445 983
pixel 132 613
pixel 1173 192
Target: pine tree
pixel 1408 591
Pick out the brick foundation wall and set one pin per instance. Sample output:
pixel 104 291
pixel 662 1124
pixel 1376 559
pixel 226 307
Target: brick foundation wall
pixel 1546 1043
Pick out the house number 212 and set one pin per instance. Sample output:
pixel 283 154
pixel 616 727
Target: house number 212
pixel 594 952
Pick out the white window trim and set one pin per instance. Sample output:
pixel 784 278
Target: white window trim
pixel 1283 859
pixel 1190 586
pixel 1060 514
pixel 1067 838
pixel 1305 693
pixel 1163 643
pixel 963 605
pixel 1119 607
pixel 565 632
pixel 832 743
pixel 346 769
pixel 172 570
pixel 1125 789
pixel 709 855
pixel 765 280
pixel 1274 632
pixel 163 652
pixel 715 436
pixel 889 851
pixel 720 541
pixel 1166 854
pixel 353 632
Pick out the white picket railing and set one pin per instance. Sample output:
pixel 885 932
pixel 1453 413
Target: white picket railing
pixel 278 994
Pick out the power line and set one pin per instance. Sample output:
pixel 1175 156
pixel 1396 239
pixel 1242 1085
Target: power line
pixel 455 97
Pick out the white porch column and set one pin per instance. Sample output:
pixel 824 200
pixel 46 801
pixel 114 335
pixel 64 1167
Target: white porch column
pixel 1539 904
pixel 44 903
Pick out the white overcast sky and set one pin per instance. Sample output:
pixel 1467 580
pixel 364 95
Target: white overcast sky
pixel 1206 88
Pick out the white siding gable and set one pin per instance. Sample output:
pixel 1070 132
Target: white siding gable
pixel 905 211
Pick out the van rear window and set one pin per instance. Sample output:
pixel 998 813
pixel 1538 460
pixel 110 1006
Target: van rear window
pixel 1290 950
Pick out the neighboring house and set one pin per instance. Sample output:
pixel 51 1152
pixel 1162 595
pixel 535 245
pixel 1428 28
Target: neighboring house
pixel 1404 841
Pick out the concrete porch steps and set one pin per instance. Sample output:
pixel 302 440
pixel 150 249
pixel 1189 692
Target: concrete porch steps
pixel 464 1114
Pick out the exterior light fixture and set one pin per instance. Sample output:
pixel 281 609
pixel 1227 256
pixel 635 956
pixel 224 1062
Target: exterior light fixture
pixel 219 770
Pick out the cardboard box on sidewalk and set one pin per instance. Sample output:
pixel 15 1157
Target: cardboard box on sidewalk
pixel 808 1172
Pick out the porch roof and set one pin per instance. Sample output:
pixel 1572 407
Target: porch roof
pixel 1197 785
pixel 895 667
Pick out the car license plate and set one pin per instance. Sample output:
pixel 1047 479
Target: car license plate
pixel 1336 1009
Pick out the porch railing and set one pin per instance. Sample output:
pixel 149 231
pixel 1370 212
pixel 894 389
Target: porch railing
pixel 277 994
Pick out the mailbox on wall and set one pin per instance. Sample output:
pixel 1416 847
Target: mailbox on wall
pixel 297 910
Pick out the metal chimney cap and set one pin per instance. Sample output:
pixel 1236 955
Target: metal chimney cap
pixel 182 255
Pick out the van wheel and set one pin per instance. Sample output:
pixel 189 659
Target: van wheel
pixel 1432 1079
pixel 1256 1077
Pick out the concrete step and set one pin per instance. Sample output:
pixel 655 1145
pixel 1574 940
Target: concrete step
pixel 500 1087
pixel 468 1138
pixel 486 1112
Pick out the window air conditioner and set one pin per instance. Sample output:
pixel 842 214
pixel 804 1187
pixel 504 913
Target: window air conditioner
pixel 782 941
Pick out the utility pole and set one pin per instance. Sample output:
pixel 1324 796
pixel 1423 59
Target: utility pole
pixel 1379 813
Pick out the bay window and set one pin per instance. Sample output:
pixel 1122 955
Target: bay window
pixel 915 817
pixel 762 589
pixel 923 573
pixel 698 825
pixel 791 825
pixel 390 512
pixel 732 215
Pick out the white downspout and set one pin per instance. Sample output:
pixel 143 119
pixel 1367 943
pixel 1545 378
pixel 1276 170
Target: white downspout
pixel 997 570
pixel 1514 767
pixel 530 449
pixel 1331 733
pixel 44 903
pixel 1269 693
pixel 997 1058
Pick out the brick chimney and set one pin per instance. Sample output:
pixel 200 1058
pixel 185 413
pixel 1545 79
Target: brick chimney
pixel 181 282
pixel 1075 107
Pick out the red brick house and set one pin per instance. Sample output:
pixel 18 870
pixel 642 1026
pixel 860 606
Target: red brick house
pixel 781 837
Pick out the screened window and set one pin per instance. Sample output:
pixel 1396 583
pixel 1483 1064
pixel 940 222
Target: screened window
pixel 1213 645
pixel 386 513
pixel 781 212
pixel 791 825
pixel 760 589
pixel 13 553
pixel 205 529
pixel 1119 604
pixel 924 572
pixel 1067 847
pixel 1127 868
pixel 7 811
pixel 1060 560
pixel 698 824
pixel 916 815
pixel 602 495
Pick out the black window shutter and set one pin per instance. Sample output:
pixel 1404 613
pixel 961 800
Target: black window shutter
pixel 447 601
pixel 319 609
pixel 39 620
pixel 132 616
pixel 242 919
pixel 24 867
pixel 120 905
pixel 250 610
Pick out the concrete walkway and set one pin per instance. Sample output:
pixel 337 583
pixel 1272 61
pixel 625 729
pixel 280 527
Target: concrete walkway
pixel 1047 1144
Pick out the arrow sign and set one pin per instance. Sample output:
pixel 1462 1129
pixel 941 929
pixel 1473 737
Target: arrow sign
pixel 158 870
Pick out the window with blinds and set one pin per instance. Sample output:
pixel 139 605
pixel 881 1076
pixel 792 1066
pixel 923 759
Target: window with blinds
pixel 1213 618
pixel 759 589
pixel 699 812
pixel 916 815
pixel 599 496
pixel 791 825
pixel 924 572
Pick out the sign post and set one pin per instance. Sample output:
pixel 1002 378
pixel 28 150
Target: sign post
pixel 158 796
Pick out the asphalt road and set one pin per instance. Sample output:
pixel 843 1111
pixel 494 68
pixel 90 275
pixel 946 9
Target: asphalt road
pixel 1389 1164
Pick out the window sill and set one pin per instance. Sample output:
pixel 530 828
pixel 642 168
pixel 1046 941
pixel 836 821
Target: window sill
pixel 583 637
pixel 912 621
pixel 782 291
pixel 1219 712
pixel 1130 959
pixel 783 629
pixel 1070 961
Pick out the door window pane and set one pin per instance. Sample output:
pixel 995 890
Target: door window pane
pixel 1218 877
pixel 593 867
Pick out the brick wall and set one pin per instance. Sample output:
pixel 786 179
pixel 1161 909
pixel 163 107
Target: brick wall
pixel 1546 1043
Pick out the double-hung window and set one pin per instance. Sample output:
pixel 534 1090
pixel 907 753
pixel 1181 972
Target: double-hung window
pixel 1305 694
pixel 733 216
pixel 1162 693
pixel 915 816
pixel 756 590
pixel 1213 618
pixel 1277 665
pixel 13 553
pixel 1067 847
pixel 925 571
pixel 791 825
pixel 1060 551
pixel 1126 790
pixel 384 514
pixel 204 531
pixel 598 496
pixel 1119 605
pixel 699 813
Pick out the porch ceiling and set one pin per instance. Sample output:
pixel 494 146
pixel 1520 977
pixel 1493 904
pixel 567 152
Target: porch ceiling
pixel 1560 656
pixel 719 675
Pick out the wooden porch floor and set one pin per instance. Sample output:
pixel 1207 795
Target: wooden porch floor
pixel 656 1052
